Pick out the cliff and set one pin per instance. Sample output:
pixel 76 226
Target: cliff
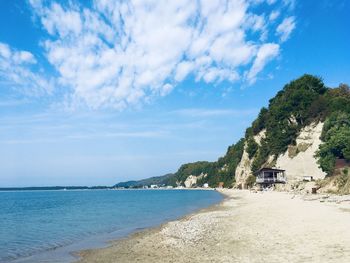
pixel 244 168
pixel 298 160
pixel 304 130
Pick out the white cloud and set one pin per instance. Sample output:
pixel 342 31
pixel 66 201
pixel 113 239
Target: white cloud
pixel 14 56
pixel 290 3
pixel 273 15
pixel 116 54
pixel 265 54
pixel 216 74
pixel 286 28
pixel 167 88
pixel 183 69
pixel 16 72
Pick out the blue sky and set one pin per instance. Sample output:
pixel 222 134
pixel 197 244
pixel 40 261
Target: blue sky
pixel 95 92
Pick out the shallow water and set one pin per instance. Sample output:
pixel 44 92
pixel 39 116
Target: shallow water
pixel 46 225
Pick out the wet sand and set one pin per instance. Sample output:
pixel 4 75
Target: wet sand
pixel 246 227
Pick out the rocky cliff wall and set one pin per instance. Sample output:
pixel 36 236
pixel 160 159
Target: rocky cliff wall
pixel 298 161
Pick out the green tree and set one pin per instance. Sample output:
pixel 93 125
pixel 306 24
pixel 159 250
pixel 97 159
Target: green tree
pixel 252 147
pixel 260 123
pixel 336 144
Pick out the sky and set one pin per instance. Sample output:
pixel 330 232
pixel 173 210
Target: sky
pixel 94 92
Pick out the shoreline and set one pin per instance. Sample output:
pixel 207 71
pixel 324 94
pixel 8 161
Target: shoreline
pixel 70 252
pixel 82 254
pixel 243 227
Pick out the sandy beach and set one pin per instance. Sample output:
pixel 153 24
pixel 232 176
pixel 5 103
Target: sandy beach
pixel 246 227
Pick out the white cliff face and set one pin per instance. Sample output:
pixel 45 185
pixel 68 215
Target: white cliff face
pixel 243 170
pixel 299 160
pixel 261 135
pixel 191 180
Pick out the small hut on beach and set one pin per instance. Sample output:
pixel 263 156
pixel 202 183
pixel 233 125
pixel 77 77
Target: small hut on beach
pixel 266 177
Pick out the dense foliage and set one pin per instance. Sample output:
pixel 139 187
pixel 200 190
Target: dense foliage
pixel 336 137
pixel 229 162
pixel 252 147
pixel 167 179
pixel 301 102
pixel 261 156
pixel 336 129
pixel 296 105
pixel 195 169
pixel 338 99
pixel 223 170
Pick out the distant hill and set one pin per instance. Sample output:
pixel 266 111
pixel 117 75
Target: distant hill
pixel 168 179
pixel 52 188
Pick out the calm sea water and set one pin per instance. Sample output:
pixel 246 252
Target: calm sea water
pixel 47 225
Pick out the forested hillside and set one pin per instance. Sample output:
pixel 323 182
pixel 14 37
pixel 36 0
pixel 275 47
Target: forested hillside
pixel 167 179
pixel 301 102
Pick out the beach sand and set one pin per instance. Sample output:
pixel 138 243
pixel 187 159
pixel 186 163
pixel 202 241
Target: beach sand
pixel 246 227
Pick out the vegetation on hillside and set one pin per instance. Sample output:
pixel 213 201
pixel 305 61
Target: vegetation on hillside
pixel 337 184
pixel 298 104
pixel 167 179
pixel 336 129
pixel 222 170
pixel 336 137
pixel 301 102
pixel 294 107
pixel 252 147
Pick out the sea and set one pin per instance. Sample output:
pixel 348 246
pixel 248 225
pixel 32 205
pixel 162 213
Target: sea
pixel 51 226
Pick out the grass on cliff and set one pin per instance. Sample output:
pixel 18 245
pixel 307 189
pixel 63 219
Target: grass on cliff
pixel 339 183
